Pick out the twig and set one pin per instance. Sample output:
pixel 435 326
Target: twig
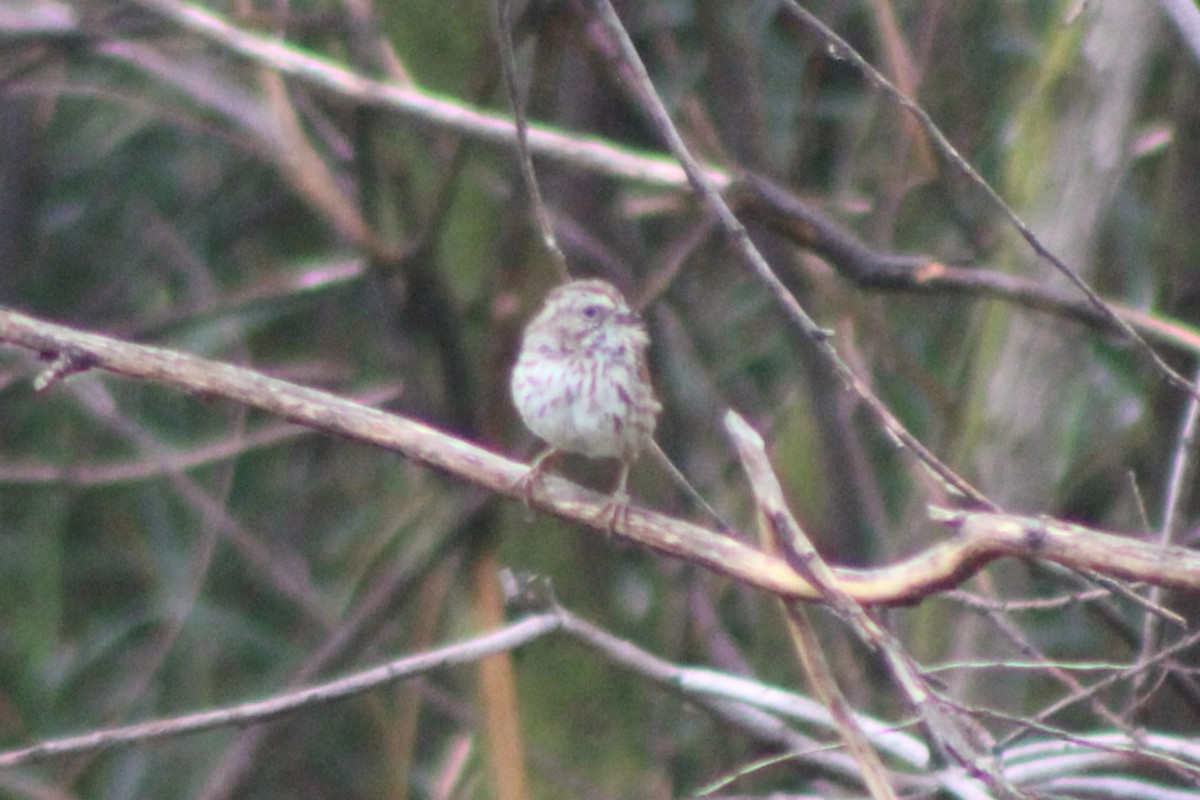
pixel 842 50
pixel 465 652
pixel 1179 486
pixel 953 735
pixel 710 191
pixel 508 60
pixel 903 273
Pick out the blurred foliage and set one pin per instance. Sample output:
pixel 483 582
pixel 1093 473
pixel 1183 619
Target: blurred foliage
pixel 149 189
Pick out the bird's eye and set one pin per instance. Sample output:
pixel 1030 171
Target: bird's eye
pixel 591 312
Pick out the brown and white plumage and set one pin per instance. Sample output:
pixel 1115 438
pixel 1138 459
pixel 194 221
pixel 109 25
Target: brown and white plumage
pixel 581 382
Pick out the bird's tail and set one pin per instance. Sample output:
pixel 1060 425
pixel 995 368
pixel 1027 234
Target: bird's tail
pixel 686 485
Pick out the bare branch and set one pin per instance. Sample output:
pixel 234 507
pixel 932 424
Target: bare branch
pixel 466 652
pixel 943 145
pixel 981 537
pixel 788 215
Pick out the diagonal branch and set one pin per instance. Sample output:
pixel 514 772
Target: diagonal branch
pixel 980 537
pixel 842 49
pixel 466 652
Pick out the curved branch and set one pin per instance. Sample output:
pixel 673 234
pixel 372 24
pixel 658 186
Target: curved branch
pixel 981 537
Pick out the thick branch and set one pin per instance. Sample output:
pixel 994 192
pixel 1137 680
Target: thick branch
pixel 980 538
